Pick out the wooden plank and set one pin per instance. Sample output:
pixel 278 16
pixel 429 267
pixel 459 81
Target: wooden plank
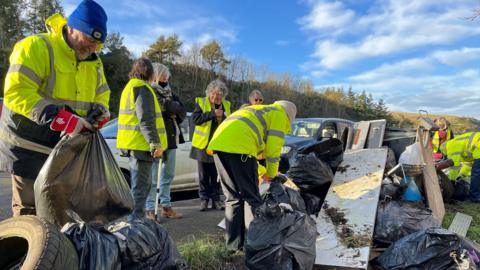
pixel 460 224
pixel 346 221
pixel 361 134
pixel 376 133
pixel 430 179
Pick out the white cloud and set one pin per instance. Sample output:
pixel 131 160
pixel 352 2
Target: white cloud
pixel 394 27
pixel 328 16
pixel 457 57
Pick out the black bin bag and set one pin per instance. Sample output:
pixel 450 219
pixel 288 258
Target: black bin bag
pixel 430 249
pixel 280 239
pixel 396 219
pixel 82 175
pixel 96 247
pixel 329 151
pixel 145 244
pixel 309 172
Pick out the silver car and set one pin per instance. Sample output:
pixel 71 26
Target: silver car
pixel 186 174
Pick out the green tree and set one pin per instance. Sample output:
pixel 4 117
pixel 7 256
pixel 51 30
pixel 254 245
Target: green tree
pixel 12 29
pixel 38 11
pixel 164 50
pixel 213 55
pixel 117 62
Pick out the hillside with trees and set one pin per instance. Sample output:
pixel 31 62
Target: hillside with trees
pixel 193 67
pixel 459 124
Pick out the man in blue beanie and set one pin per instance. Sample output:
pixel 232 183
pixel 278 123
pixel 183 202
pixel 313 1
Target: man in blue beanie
pixel 55 82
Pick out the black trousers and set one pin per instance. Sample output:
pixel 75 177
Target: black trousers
pixel 239 178
pixel 209 188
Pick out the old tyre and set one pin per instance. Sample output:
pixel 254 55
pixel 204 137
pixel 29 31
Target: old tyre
pixel 29 242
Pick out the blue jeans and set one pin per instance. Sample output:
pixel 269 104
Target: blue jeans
pixel 475 181
pixel 140 173
pixel 166 177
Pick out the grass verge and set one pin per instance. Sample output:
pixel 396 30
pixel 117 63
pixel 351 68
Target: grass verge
pixel 210 253
pixel 472 209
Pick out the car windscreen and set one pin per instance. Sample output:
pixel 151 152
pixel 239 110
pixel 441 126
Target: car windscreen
pixel 305 129
pixel 109 131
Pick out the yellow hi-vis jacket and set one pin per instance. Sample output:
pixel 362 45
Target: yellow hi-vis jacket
pixel 44 70
pixel 436 140
pixel 252 130
pixel 463 149
pixel 202 132
pixel 129 135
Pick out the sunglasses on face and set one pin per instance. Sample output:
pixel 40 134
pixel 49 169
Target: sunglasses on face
pixel 259 99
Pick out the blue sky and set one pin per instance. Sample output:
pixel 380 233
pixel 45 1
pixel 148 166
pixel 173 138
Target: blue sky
pixel 421 54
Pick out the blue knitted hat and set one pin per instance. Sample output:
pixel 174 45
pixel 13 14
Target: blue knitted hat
pixel 90 18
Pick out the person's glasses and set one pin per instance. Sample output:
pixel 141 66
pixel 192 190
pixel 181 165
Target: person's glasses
pixel 259 100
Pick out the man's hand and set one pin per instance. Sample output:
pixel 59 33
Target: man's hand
pixel 218 113
pixel 156 150
pixel 266 178
pixel 443 164
pixel 158 153
pixel 69 123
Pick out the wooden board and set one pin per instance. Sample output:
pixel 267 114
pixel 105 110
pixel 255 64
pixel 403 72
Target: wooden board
pixel 354 193
pixel 361 134
pixel 430 179
pixel 460 224
pixel 376 133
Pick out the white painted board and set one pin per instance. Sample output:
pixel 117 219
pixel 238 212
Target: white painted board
pixel 361 133
pixel 354 191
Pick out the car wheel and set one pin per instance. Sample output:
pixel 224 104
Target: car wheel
pixel 126 174
pixel 30 242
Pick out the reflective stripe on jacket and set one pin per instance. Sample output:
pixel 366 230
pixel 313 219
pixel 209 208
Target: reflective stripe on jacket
pixel 202 132
pixel 253 130
pixel 436 140
pixel 463 149
pixel 130 137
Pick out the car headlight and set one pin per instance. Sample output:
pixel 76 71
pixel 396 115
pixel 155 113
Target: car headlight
pixel 286 150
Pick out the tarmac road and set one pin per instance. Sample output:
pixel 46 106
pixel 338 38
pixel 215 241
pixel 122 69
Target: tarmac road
pixel 193 225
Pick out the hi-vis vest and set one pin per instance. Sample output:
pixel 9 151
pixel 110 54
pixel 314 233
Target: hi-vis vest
pixel 129 136
pixel 463 149
pixel 436 140
pixel 253 130
pixel 44 71
pixel 202 132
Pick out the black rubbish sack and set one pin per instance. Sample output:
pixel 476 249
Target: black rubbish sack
pixel 96 247
pixel 82 175
pixel 313 203
pixel 280 239
pixel 329 151
pixel 446 186
pixel 145 244
pixel 429 249
pixel 396 219
pixel 281 194
pixel 391 190
pixel 309 172
pixel 462 190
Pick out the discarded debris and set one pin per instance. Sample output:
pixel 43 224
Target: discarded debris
pixel 342 169
pixel 344 231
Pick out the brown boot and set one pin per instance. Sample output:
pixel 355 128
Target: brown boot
pixel 150 214
pixel 168 212
pixel 203 205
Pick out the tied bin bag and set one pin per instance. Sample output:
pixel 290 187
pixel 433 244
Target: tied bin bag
pixel 82 175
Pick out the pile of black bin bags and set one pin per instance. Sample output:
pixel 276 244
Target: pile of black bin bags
pixel 413 237
pixel 283 232
pixel 82 190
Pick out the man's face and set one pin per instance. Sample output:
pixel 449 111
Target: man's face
pixel 82 44
pixel 215 97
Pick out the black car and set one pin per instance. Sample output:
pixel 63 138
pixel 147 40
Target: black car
pixel 307 130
